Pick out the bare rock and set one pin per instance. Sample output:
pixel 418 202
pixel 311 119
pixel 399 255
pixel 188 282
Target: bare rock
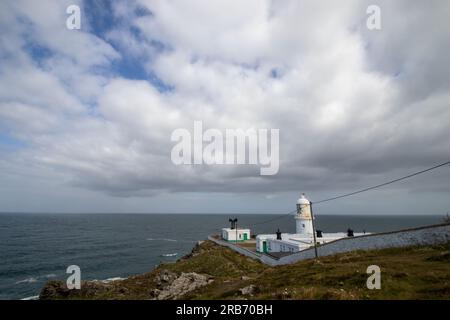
pixel 154 293
pixel 165 278
pixel 54 290
pixel 183 284
pixel 249 290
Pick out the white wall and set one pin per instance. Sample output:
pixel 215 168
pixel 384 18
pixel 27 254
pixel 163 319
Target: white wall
pixel 279 246
pixel 303 226
pixel 261 238
pixel 230 234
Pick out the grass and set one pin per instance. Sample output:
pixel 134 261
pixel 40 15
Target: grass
pixel 406 273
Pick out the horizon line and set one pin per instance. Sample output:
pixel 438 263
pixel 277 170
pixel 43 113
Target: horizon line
pixel 223 213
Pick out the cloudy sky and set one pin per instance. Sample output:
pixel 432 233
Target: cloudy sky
pixel 86 115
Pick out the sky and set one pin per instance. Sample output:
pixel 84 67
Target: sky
pixel 86 116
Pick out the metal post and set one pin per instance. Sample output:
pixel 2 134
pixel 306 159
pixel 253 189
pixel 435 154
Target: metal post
pixel 314 230
pixel 236 230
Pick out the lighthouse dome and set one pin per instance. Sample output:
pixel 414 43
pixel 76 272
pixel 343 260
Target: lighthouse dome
pixel 303 200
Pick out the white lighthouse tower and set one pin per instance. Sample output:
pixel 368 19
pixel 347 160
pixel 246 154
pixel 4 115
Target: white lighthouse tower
pixel 303 218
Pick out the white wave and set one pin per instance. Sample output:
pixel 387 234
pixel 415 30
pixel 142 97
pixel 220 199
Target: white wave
pixel 35 279
pixel 110 279
pixel 114 279
pixel 169 254
pixel 31 298
pixel 27 280
pixel 162 239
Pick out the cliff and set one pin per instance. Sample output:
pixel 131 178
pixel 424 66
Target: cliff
pixel 211 271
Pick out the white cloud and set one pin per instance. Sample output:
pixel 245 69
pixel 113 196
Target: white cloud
pixel 352 106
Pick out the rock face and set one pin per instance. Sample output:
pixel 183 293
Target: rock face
pixel 58 290
pixel 171 286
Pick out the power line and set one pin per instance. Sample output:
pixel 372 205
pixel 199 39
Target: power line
pixel 356 192
pixel 273 219
pixel 382 184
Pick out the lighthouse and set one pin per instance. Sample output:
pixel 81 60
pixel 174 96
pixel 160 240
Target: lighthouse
pixel 303 218
pixel 303 238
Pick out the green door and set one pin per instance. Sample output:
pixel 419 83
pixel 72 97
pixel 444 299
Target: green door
pixel 245 237
pixel 264 246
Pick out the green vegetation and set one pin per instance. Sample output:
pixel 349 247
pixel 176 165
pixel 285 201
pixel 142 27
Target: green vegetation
pixel 406 273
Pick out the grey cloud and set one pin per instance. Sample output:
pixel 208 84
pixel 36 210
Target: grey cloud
pixel 354 107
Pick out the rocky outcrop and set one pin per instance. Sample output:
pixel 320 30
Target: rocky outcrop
pixel 249 290
pixel 166 285
pixel 55 290
pixel 171 286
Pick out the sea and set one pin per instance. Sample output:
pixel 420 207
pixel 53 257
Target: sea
pixel 36 248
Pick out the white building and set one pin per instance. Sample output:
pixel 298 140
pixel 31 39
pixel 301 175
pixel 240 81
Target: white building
pixel 232 234
pixel 262 242
pixel 302 239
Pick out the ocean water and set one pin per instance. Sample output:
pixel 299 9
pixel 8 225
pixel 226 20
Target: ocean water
pixel 35 248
